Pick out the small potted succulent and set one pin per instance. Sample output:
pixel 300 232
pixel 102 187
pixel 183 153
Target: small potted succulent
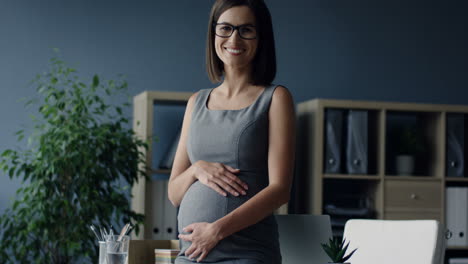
pixel 336 250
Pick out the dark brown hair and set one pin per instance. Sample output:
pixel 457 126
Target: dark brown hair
pixel 264 62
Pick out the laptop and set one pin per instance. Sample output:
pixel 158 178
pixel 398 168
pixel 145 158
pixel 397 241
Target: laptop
pixel 300 237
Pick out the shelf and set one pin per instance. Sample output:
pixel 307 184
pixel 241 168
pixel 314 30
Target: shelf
pixel 351 177
pixel 454 179
pixel 391 106
pixel 179 98
pixel 421 133
pixel 411 178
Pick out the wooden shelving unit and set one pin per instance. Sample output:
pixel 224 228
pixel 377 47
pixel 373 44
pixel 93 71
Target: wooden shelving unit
pixel 143 116
pixel 393 197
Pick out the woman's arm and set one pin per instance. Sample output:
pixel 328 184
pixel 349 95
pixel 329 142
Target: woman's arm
pixel 182 174
pixel 280 168
pixel 218 176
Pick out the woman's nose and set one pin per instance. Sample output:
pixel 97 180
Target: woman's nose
pixel 235 36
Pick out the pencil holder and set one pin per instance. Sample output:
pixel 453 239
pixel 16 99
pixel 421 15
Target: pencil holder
pixel 102 252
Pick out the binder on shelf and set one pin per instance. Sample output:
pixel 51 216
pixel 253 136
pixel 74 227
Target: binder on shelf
pixel 333 140
pixel 457 215
pixel 357 142
pixel 164 214
pixel 168 160
pixel 170 217
pixel 455 145
pixel 157 205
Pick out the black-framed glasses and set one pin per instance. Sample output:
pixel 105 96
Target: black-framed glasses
pixel 225 30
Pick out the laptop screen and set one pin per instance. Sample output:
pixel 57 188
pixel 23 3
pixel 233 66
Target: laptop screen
pixel 300 237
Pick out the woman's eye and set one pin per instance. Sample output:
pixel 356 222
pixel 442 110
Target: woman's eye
pixel 226 28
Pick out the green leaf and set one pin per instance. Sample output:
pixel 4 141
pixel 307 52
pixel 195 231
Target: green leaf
pixel 6 153
pixel 95 81
pixel 336 249
pixel 330 253
pixel 15 205
pixel 349 255
pixel 11 172
pixel 340 255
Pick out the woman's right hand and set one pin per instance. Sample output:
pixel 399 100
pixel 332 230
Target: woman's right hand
pixel 219 177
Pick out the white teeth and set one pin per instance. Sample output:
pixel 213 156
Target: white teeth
pixel 236 51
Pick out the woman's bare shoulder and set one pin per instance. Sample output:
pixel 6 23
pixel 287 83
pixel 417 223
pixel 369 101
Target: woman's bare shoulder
pixel 193 97
pixel 282 97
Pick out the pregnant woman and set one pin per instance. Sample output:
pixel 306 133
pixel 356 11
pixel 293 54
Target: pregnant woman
pixel 234 161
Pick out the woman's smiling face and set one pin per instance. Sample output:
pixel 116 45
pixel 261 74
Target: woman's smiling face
pixel 235 51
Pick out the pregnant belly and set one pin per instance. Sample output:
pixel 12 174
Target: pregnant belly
pixel 203 204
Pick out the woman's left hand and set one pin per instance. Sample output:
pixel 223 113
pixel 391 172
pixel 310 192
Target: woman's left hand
pixel 204 237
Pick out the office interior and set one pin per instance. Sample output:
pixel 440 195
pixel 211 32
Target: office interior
pixel 365 51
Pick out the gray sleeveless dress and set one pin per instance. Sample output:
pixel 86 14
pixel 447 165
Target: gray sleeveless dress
pixel 238 138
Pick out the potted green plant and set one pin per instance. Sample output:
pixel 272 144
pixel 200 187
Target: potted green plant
pixel 336 250
pixel 82 159
pixel 409 146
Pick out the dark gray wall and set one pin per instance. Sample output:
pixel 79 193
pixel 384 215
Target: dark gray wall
pixel 362 49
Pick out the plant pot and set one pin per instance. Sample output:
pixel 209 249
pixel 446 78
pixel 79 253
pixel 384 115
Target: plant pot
pixel 404 165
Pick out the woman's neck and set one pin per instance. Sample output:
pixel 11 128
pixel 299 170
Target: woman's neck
pixel 236 80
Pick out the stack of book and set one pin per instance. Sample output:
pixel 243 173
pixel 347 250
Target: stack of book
pixel 165 256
